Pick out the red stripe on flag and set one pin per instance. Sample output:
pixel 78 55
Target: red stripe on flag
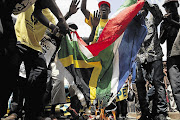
pixel 115 27
pixel 80 39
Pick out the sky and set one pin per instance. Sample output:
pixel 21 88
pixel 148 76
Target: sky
pixel 92 5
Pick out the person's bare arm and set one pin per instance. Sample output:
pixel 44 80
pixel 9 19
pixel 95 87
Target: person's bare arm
pixel 94 21
pixel 42 4
pixel 72 9
pixel 84 10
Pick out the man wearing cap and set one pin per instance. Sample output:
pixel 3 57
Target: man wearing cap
pixel 104 9
pixel 168 31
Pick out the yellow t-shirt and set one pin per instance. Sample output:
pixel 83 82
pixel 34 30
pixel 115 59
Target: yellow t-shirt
pixel 99 28
pixel 29 30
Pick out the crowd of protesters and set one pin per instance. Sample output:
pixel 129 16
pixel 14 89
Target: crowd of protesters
pixel 155 83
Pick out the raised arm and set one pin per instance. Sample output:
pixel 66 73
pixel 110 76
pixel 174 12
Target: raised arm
pixel 72 9
pixel 155 11
pixel 84 10
pixel 42 4
pixel 95 21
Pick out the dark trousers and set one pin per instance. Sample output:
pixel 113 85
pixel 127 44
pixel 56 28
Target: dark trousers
pixel 155 70
pixel 36 73
pixel 8 80
pixel 18 97
pixel 121 108
pixel 173 68
pixel 8 55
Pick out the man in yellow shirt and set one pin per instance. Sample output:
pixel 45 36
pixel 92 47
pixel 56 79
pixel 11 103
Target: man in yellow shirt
pixel 104 9
pixel 8 50
pixel 97 21
pixel 29 32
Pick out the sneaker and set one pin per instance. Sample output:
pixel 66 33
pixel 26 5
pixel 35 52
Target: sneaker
pixel 111 117
pixel 123 118
pixel 12 116
pixel 47 118
pixel 160 117
pixel 73 112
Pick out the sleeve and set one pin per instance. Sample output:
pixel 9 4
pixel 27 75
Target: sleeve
pixel 89 21
pixel 157 14
pixel 38 5
pixel 163 32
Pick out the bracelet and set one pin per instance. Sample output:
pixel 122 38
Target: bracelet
pixel 50 23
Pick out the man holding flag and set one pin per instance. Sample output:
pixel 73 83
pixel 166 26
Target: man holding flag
pixel 149 61
pixel 100 69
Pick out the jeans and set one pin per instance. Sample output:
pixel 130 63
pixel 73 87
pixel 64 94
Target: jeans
pixel 121 108
pixel 155 70
pixel 173 68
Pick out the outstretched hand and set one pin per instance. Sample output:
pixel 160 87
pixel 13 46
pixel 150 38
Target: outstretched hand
pixel 95 20
pixel 73 7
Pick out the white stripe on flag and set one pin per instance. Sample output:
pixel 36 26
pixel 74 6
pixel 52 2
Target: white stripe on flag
pixel 84 50
pixel 115 75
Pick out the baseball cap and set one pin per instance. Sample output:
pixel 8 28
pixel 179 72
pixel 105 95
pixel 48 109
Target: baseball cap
pixel 167 1
pixel 104 2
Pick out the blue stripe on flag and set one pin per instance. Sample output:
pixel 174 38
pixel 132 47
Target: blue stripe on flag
pixel 133 37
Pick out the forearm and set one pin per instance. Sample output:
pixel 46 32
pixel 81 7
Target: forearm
pixel 51 4
pixel 67 15
pixel 84 10
pixel 91 37
pixel 40 16
pixel 175 23
pixel 156 12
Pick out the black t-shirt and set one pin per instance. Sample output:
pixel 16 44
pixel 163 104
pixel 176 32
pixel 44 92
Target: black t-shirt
pixel 170 34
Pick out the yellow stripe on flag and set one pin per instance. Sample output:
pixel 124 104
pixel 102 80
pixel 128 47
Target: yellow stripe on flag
pixel 84 64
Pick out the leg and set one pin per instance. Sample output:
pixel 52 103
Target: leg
pixel 137 108
pixel 141 90
pixel 36 71
pixel 173 66
pixel 8 74
pixel 118 110
pixel 159 103
pixel 123 105
pixel 173 106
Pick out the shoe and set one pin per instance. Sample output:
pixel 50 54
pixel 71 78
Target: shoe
pixel 123 118
pixel 160 117
pixel 145 117
pixel 12 116
pixel 39 118
pixel 48 118
pixel 53 117
pixel 73 112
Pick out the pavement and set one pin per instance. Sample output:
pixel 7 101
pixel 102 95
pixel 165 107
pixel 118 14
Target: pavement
pixel 172 116
pixel 134 116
